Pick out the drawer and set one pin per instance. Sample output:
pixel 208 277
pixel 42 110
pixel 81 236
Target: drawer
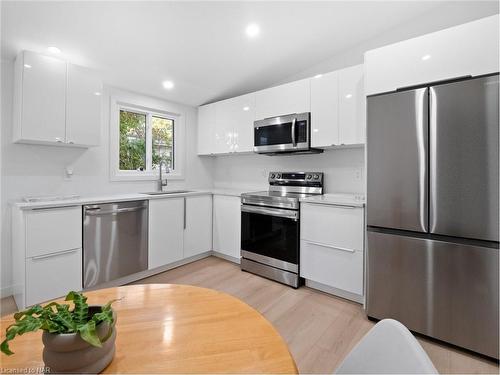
pixel 52 230
pixel 327 265
pixel 340 226
pixel 53 275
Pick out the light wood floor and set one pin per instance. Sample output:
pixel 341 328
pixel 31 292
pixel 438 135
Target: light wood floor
pixel 320 329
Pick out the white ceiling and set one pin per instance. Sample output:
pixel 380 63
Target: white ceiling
pixel 201 46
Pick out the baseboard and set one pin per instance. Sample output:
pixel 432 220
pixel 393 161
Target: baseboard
pixel 6 291
pixel 226 257
pixel 147 273
pixel 334 291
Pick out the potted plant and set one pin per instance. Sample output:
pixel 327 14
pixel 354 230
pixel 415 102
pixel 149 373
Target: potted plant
pixel 79 340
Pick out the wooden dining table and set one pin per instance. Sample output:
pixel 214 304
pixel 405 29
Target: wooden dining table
pixel 168 328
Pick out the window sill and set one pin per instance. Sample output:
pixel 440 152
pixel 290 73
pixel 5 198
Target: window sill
pixel 144 176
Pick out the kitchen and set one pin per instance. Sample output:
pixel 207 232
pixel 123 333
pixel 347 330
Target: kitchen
pixel 67 186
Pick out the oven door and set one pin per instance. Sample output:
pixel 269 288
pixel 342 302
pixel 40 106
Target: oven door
pixel 283 133
pixel 270 236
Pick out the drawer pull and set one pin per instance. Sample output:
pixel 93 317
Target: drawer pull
pixel 331 246
pixel 55 254
pixel 333 205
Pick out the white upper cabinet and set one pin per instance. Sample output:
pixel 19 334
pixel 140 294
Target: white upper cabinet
pixel 206 129
pixel 294 97
pixel 55 103
pixel 40 91
pixel 468 49
pixel 234 124
pixel 352 106
pixel 83 106
pixel 338 108
pixel 325 110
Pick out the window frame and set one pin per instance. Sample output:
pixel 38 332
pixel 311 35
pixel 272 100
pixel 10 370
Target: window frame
pixel 136 106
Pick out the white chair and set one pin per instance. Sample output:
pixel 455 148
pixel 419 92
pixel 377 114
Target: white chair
pixel 388 348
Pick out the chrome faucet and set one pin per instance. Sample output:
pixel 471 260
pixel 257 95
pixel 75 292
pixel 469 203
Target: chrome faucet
pixel 162 182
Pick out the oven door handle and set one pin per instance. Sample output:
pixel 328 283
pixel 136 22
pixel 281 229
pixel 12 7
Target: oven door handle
pixel 294 136
pixel 271 212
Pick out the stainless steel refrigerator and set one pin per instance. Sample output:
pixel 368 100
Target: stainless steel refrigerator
pixel 432 211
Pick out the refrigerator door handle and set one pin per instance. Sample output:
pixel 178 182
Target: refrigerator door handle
pixel 422 152
pixel 432 158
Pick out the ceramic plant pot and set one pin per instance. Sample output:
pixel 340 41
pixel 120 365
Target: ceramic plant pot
pixel 69 353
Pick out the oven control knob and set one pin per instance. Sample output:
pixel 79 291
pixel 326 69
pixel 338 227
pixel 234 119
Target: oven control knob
pixel 278 176
pixel 272 175
pixel 309 176
pixel 316 176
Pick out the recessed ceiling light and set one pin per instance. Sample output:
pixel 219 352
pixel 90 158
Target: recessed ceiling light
pixel 318 76
pixel 426 57
pixel 27 66
pixel 97 93
pixel 54 50
pixel 168 85
pixel 348 96
pixel 252 30
pixel 246 108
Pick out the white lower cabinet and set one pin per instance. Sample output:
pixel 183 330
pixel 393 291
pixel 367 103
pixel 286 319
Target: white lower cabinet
pixel 166 231
pixel 47 253
pixel 332 248
pixel 179 228
pixel 227 226
pixel 53 275
pixel 198 227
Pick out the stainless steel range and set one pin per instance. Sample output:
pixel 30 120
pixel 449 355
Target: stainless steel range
pixel 270 225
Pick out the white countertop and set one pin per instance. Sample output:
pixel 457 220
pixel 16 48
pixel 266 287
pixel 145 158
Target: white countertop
pixel 104 199
pixel 78 200
pixel 356 200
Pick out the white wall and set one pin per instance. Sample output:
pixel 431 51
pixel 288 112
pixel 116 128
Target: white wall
pixel 343 168
pixel 39 170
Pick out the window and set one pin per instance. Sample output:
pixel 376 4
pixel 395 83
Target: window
pixel 137 152
pixel 142 139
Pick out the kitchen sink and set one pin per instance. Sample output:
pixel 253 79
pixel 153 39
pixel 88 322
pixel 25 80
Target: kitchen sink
pixel 168 192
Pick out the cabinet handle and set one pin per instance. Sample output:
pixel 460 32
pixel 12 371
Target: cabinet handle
pixel 330 246
pixel 55 254
pixel 332 204
pixel 184 212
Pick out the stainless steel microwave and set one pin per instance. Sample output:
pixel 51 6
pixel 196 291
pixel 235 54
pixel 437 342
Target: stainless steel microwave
pixel 282 134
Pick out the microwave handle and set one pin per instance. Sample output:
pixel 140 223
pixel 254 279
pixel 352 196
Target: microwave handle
pixel 294 140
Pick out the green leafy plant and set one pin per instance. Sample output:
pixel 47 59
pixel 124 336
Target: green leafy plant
pixel 58 318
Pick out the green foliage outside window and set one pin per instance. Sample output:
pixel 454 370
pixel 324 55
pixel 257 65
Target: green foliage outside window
pixel 133 133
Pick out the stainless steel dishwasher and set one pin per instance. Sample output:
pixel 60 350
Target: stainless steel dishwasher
pixel 115 241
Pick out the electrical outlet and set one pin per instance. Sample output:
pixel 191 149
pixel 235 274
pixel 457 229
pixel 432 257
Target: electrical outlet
pixel 68 173
pixel 358 173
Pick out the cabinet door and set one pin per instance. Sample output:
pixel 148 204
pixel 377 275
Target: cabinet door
pixel 325 110
pixel 224 126
pixel 43 114
pixel 294 97
pixel 53 275
pixel 352 106
pixel 166 231
pixel 206 129
pixel 83 107
pixel 227 225
pixel 198 232
pixel 468 49
pixel 243 113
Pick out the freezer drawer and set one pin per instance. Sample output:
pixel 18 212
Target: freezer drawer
pixel 464 159
pixel 397 145
pixel 445 290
